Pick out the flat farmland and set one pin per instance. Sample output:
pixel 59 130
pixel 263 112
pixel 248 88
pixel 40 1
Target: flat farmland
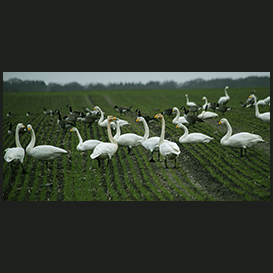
pixel 205 172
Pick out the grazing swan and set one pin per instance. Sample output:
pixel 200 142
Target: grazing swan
pixel 88 145
pixel 206 114
pixel 103 123
pixel 168 150
pixel 42 152
pixel 193 137
pixel 16 154
pixel 225 99
pixel 178 119
pixel 188 102
pixel 241 141
pixel 106 150
pixel 264 116
pixel 129 140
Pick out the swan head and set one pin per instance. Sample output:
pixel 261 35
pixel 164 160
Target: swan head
pixel 227 87
pixel 174 109
pixel 111 118
pixel 223 120
pixel 159 116
pixel 73 129
pixel 179 125
pixel 203 98
pixel 29 127
pixel 21 125
pixel 140 119
pixel 186 95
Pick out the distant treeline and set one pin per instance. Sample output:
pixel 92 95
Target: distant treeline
pixel 17 85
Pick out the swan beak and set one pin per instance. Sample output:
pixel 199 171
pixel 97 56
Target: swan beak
pixel 176 126
pixel 219 122
pixel 71 130
pixel 137 120
pixel 29 129
pixel 249 97
pixel 94 108
pixel 156 116
pixel 24 126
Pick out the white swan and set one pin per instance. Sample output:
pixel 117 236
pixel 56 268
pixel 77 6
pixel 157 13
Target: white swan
pixel 88 145
pixel 42 152
pixel 178 119
pixel 106 150
pixel 206 103
pixel 168 150
pixel 264 116
pixel 151 144
pixel 188 102
pixel 193 137
pixel 129 140
pixel 103 122
pixel 207 114
pixel 16 154
pixel 225 99
pixel 241 141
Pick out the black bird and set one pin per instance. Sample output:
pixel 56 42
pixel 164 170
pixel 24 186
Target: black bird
pixel 48 112
pixel 147 118
pixel 122 109
pixel 64 123
pixel 12 131
pixel 222 108
pixel 74 113
pixel 89 119
pixel 167 112
pixel 212 106
pixel 190 117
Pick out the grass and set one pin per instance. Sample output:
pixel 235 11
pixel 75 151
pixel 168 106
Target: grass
pixel 132 177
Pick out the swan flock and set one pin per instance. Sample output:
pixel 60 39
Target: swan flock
pixel 169 150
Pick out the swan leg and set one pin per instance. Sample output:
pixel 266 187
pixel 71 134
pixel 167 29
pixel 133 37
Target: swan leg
pixel 166 164
pixel 98 162
pixel 129 150
pixel 158 156
pixel 174 164
pixel 152 158
pixel 24 171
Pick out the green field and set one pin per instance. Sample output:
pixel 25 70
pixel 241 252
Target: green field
pixel 206 172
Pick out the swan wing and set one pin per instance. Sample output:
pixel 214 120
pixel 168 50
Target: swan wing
pixel 88 145
pixel 242 140
pixel 16 153
pixel 104 150
pixel 129 139
pixel 45 152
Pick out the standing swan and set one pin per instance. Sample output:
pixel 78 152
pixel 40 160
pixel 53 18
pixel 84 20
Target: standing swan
pixel 42 152
pixel 129 140
pixel 16 154
pixel 88 145
pixel 225 99
pixel 265 116
pixel 241 141
pixel 106 150
pixel 193 137
pixel 168 150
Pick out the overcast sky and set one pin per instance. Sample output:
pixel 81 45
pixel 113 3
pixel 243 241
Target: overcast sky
pixel 117 77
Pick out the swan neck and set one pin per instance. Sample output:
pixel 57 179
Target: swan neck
pixel 226 92
pixel 79 136
pixel 162 132
pixel 110 136
pixel 117 135
pixel 177 115
pixel 229 132
pixel 186 132
pixel 257 113
pixel 17 141
pixel 146 134
pixel 32 141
